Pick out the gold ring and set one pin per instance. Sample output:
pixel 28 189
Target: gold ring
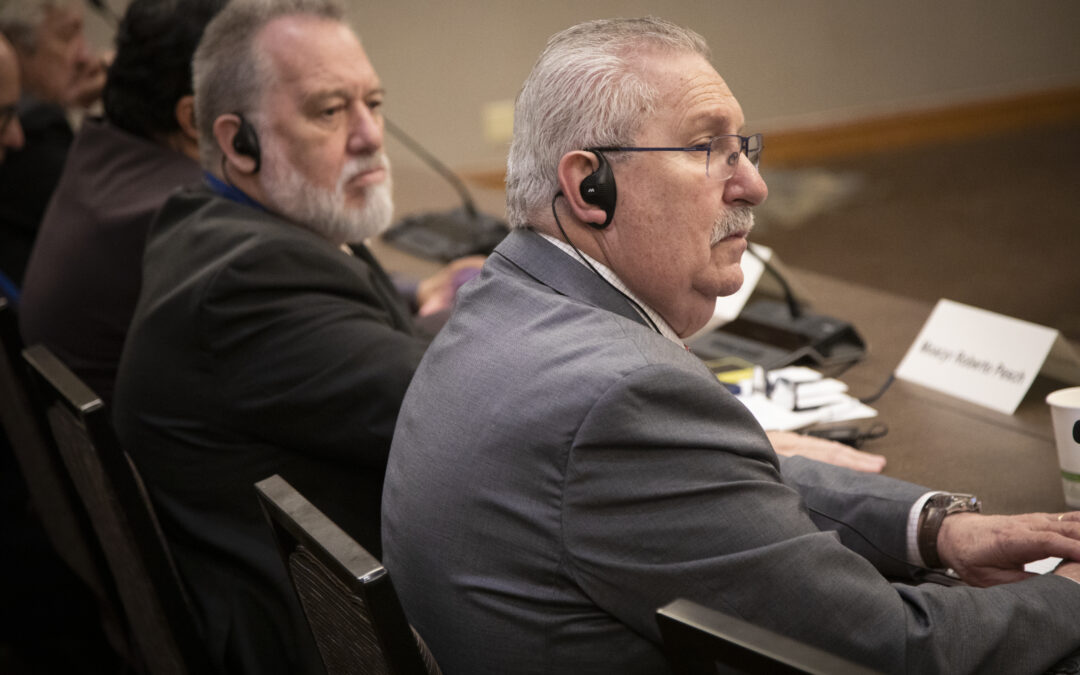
pixel 1060 516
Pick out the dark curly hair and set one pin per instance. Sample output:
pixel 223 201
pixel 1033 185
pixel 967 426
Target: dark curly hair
pixel 152 69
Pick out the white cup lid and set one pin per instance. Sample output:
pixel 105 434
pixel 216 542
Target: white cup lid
pixel 1065 398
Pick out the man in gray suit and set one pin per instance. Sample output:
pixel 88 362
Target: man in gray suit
pixel 562 466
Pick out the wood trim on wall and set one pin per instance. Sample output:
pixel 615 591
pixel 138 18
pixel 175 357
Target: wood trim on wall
pixel 911 129
pixel 795 147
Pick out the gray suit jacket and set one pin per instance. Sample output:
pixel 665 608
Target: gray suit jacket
pixel 559 471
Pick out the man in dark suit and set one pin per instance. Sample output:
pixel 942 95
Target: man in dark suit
pixel 261 342
pixel 562 466
pixel 85 270
pixel 58 73
pixel 11 134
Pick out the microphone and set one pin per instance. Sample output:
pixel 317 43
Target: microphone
pixel 444 235
pixel 774 334
pixel 793 305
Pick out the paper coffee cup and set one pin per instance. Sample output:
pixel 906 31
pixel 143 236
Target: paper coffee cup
pixel 1065 412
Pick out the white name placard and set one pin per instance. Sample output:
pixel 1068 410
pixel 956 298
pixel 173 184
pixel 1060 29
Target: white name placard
pixel 979 356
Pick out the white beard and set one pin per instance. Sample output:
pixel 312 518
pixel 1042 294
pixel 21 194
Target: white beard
pixel 324 211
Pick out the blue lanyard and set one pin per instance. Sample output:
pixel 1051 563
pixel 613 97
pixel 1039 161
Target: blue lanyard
pixel 9 289
pixel 231 192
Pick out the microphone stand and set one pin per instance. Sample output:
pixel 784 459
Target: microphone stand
pixel 444 235
pixel 775 333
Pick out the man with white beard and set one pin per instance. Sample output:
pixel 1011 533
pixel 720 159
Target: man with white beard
pixel 263 342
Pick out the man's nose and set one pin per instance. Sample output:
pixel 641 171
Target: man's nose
pixel 746 187
pixel 83 54
pixel 365 131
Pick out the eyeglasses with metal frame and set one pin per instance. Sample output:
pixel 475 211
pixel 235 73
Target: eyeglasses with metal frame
pixel 727 146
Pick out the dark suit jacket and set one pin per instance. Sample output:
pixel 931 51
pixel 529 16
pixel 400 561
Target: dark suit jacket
pixel 257 348
pixel 559 471
pixel 27 179
pixel 86 267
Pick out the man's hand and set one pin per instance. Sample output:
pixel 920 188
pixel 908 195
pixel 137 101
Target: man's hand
pixel 789 444
pixel 990 550
pixel 436 293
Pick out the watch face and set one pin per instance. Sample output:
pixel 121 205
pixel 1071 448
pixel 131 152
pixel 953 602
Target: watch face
pixel 961 502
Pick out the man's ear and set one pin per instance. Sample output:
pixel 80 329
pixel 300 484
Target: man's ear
pixel 225 129
pixel 185 117
pixel 574 167
pixel 186 140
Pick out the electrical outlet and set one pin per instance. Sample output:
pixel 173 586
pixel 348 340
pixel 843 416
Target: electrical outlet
pixel 499 121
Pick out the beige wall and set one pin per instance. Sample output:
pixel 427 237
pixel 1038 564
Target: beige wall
pixel 790 62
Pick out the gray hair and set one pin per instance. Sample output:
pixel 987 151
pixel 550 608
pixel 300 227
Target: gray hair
pixel 229 74
pixel 19 20
pixel 585 90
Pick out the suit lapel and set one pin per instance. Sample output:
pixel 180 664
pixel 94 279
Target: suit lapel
pixel 383 287
pixel 533 255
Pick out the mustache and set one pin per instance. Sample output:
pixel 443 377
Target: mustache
pixel 738 219
pixel 355 166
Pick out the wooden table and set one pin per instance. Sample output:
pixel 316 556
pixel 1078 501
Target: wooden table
pixel 937 440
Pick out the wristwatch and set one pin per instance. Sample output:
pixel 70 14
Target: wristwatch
pixel 934 511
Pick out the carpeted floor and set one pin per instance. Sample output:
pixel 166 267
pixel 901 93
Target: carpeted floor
pixel 993 222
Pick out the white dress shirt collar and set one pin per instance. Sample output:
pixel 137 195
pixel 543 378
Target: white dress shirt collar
pixel 610 276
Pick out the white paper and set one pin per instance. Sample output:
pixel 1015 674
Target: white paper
pixel 776 414
pixel 979 356
pixel 1044 566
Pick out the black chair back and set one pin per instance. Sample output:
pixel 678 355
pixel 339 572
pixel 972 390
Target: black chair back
pixel 52 495
pixel 699 640
pixel 108 484
pixel 346 593
pixel 51 492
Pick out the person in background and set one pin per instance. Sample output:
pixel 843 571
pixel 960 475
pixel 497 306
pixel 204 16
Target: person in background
pixel 562 466
pixel 59 73
pixel 11 133
pixel 49 621
pixel 85 270
pixel 267 339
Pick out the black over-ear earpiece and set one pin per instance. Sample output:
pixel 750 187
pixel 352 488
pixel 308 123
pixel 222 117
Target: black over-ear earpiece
pixel 246 142
pixel 598 189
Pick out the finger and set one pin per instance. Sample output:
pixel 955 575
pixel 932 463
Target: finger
pixel 1060 544
pixel 865 464
pixel 860 460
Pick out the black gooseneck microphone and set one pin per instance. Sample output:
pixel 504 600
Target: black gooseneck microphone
pixel 433 162
pixel 789 297
pixel 775 333
pixel 449 234
pixel 566 238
